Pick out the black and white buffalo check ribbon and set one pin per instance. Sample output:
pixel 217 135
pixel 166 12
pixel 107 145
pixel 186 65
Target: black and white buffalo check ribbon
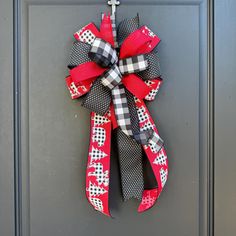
pixel 133 64
pixel 121 109
pixel 112 77
pixel 105 55
pixel 149 137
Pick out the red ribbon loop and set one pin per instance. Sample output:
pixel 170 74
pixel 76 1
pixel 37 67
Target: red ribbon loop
pixel 136 86
pixel 86 71
pixel 140 41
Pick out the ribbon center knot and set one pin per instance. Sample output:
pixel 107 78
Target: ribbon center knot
pixel 105 55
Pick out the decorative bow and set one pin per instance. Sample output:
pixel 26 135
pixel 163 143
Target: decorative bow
pixel 115 82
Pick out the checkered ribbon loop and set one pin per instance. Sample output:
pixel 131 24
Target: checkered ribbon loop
pixel 103 53
pixel 133 64
pixel 149 137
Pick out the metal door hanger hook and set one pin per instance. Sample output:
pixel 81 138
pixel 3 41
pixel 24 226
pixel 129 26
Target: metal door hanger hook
pixel 113 4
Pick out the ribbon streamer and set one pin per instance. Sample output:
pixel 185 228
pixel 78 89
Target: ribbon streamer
pixel 114 83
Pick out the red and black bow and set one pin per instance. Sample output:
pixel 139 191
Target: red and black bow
pixel 115 81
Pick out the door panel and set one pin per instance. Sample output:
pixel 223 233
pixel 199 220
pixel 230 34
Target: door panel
pixel 55 129
pixel 225 113
pixel 6 121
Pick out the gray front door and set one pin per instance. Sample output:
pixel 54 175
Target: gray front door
pixel 43 186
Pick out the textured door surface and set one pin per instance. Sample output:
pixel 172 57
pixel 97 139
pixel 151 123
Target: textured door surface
pixel 54 130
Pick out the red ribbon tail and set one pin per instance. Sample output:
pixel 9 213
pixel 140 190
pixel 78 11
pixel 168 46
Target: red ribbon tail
pixel 106 29
pixel 157 158
pixel 98 164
